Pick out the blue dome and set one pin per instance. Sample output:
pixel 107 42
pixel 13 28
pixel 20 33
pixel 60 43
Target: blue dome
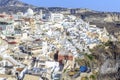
pixel 83 68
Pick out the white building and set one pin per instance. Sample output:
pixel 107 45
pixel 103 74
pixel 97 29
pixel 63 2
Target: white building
pixel 7 28
pixel 29 13
pixel 18 16
pixel 56 17
pixel 41 14
pixel 6 24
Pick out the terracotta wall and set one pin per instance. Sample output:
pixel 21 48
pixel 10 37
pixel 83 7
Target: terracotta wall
pixel 63 57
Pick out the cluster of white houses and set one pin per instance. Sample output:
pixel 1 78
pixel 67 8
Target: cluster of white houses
pixel 41 35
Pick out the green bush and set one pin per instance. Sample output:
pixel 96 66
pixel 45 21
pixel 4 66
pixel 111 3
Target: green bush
pixel 0 59
pixel 90 56
pixel 108 43
pixel 92 77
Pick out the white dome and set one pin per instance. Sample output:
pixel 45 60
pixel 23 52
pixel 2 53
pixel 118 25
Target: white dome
pixel 30 12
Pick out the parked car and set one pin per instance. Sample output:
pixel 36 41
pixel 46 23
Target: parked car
pixel 36 71
pixel 2 78
pixel 56 76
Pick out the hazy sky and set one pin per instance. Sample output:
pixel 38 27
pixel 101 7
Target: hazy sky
pixel 99 5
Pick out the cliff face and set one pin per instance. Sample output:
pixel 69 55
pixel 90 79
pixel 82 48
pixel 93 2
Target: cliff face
pixel 110 20
pixel 112 17
pixel 108 54
pixel 100 17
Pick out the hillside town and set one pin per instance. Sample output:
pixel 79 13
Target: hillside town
pixel 50 46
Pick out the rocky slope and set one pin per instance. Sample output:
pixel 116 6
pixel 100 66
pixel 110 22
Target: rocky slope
pixel 107 54
pixel 6 3
pixel 110 20
pixel 14 6
pixel 100 16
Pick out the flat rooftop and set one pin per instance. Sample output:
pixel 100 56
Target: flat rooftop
pixel 31 77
